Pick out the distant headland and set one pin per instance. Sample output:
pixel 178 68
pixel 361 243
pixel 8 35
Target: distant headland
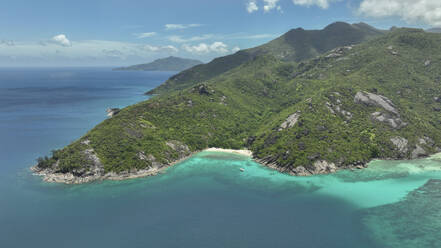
pixel 165 64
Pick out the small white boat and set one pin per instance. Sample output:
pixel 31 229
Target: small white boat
pixel 242 169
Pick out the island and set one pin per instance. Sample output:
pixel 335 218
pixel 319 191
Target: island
pixel 309 102
pixel 165 64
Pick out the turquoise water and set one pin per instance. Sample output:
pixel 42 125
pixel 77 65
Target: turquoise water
pixel 205 201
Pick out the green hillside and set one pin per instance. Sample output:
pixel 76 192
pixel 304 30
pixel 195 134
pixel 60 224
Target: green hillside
pixel 377 99
pixel 295 45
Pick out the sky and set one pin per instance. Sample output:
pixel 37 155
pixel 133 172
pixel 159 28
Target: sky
pixel 126 32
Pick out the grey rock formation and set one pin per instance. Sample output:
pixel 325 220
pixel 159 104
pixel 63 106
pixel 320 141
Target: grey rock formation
pixel 112 111
pixel 336 106
pixel 371 99
pixel 290 121
pixel 393 121
pixel 338 52
pixel 324 167
pixel 390 116
pixel 179 147
pixel 222 100
pixel 418 152
pixel 400 143
pixel 300 171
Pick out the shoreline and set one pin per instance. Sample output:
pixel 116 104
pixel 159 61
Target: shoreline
pixel 321 168
pixel 69 178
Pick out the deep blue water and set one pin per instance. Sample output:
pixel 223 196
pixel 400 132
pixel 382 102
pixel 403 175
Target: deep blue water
pixel 203 202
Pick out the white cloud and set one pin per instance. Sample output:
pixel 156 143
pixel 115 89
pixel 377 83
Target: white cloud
pixel 145 35
pixel 215 47
pixel 236 36
pixel 271 4
pixel 180 39
pixel 181 26
pixel 168 48
pixel 235 49
pixel 219 47
pixel 151 48
pixel 61 40
pixel 252 6
pixel 411 11
pixel 171 48
pixel 324 4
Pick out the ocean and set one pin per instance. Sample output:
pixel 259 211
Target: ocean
pixel 205 201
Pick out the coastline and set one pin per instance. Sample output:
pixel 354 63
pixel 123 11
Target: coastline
pixel 69 178
pixel 321 167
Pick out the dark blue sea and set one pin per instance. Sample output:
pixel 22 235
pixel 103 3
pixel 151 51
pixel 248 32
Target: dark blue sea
pixel 205 201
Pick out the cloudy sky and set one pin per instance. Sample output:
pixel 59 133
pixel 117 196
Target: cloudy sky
pixel 124 32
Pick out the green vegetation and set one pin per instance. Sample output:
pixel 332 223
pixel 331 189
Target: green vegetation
pixel 246 105
pixel 166 64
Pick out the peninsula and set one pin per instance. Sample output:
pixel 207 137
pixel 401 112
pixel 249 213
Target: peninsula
pixel 308 102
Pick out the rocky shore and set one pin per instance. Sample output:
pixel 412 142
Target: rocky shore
pixel 51 176
pixel 319 167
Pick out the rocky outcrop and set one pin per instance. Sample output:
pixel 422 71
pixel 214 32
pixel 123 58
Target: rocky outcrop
pixel 338 52
pixel 389 116
pixel 318 167
pixel 290 121
pixel 179 147
pixel 112 111
pixel 335 106
pixel 418 152
pixel 371 99
pixel 323 167
pixel 203 89
pixel 223 100
pixel 400 143
pixel 392 121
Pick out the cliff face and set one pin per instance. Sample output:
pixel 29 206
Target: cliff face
pixel 378 99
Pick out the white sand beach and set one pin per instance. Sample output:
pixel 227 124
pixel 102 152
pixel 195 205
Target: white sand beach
pixel 241 152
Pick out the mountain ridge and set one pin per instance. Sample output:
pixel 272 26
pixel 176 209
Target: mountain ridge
pixel 295 45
